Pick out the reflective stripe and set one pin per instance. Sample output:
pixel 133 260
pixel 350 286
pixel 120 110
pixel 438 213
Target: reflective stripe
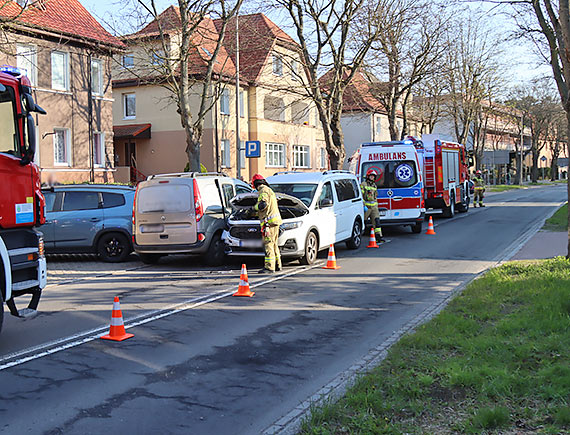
pixel 243 283
pixel 116 321
pixel 370 204
pixel 377 230
pixel 116 306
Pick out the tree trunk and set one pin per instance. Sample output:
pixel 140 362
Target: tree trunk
pixel 193 140
pixel 534 170
pixel 568 179
pixel 554 169
pixel 336 147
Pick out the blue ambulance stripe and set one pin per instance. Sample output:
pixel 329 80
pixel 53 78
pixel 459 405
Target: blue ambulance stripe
pixel 406 192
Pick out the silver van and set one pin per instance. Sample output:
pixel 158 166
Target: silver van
pixel 183 213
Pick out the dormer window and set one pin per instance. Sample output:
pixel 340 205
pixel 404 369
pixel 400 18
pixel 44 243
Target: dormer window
pixel 277 65
pixel 128 61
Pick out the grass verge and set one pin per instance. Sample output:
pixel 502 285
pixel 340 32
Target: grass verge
pixel 558 221
pixel 504 187
pixel 495 359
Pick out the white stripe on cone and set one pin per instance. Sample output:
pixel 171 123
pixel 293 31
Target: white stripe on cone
pixel 116 321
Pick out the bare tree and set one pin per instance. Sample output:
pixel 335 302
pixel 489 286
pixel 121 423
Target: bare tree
pixel 326 32
pixel 183 55
pixel 407 51
pixel 427 102
pixel 557 142
pixel 10 13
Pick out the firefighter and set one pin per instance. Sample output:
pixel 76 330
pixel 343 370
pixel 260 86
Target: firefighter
pixel 370 195
pixel 479 189
pixel 270 220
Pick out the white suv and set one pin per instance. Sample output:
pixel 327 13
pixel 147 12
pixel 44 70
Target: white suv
pixel 318 209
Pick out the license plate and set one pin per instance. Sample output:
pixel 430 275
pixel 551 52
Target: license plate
pixel 250 243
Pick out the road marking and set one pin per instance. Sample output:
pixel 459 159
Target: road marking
pixel 40 351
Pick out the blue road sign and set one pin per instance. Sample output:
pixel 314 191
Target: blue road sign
pixel 252 148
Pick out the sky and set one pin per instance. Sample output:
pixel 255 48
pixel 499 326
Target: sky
pixel 523 64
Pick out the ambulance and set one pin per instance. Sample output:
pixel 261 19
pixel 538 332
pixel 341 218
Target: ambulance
pixel 400 184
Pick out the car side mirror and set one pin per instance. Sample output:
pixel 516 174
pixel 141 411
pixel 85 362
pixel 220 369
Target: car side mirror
pixel 214 209
pixel 326 202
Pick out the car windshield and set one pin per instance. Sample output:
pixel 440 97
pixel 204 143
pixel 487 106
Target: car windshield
pixel 397 173
pixel 303 192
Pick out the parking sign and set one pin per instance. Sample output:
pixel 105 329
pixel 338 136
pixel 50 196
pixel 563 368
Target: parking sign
pixel 252 148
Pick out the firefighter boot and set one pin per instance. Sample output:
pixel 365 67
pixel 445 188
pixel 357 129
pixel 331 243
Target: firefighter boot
pixel 378 231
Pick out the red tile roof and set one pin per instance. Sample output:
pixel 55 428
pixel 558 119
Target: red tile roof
pixel 359 94
pixel 257 36
pixel 132 131
pixel 203 42
pixel 65 17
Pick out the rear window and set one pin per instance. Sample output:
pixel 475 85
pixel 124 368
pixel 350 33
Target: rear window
pixel 393 174
pixel 80 201
pixel 159 198
pixel 50 200
pixel 113 200
pixel 345 190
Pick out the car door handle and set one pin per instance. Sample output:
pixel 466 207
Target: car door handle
pixel 397 198
pixel 94 219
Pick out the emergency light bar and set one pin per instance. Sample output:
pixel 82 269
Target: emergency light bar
pixel 12 70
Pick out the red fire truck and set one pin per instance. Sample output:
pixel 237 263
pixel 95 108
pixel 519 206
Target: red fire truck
pixel 22 205
pixel 446 175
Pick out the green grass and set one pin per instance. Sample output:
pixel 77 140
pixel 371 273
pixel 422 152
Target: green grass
pixel 504 187
pixel 558 221
pixel 494 360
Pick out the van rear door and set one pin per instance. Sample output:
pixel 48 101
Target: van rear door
pixel 165 212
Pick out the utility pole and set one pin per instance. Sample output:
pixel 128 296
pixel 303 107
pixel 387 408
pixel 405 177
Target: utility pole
pixel 521 156
pixel 238 114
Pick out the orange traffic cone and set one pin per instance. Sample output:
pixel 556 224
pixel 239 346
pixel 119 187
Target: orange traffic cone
pixel 243 289
pixel 331 260
pixel 372 243
pixel 430 229
pixel 117 329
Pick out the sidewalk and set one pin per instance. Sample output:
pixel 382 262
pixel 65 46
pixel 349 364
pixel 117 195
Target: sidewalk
pixel 544 244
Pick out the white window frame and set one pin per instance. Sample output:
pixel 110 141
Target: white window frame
pixel 157 58
pixel 125 56
pixel 31 59
pixel 125 96
pixel 225 153
pixel 97 92
pixel 242 156
pixel 225 102
pixel 301 156
pixel 277 65
pixel 274 149
pixel 323 158
pixel 241 104
pixel 65 56
pixel 294 69
pixel 67 138
pixel 378 127
pixel 101 149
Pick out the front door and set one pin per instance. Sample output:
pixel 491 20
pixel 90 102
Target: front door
pixel 131 158
pixel 325 215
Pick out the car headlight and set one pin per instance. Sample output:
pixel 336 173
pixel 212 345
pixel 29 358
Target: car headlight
pixel 291 225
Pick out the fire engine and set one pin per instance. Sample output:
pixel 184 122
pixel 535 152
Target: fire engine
pixel 22 205
pixel 446 175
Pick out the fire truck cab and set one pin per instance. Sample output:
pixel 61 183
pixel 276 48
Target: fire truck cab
pixel 22 205
pixel 400 183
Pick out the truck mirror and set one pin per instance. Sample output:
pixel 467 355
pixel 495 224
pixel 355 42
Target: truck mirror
pixel 2 88
pixel 31 133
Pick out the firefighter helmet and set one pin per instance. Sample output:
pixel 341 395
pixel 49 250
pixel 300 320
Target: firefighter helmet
pixel 257 177
pixel 372 172
pixel 478 172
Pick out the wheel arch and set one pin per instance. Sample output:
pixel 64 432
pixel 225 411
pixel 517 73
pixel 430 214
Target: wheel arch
pixel 112 230
pixel 5 272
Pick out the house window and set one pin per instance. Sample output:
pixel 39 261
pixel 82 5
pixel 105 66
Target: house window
pixel 99 149
pixel 294 70
pixel 26 59
pixel 274 155
pixel 277 65
pixel 323 158
pixel 274 108
pixel 59 70
pixel 129 106
pixel 61 147
pixel 301 156
pixel 241 105
pixel 157 58
pixel 96 77
pixel 225 102
pixel 300 113
pixel 128 61
pixel 225 153
pixel 378 127
pixel 242 154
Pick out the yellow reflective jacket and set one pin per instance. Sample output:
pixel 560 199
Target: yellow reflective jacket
pixel 270 215
pixel 479 183
pixel 369 194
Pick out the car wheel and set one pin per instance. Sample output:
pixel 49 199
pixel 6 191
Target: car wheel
pixel 149 258
pixel 356 238
pixel 416 228
pixel 216 252
pixel 113 247
pixel 311 249
pixel 449 212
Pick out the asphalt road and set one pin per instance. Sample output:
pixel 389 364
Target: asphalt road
pixel 223 365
